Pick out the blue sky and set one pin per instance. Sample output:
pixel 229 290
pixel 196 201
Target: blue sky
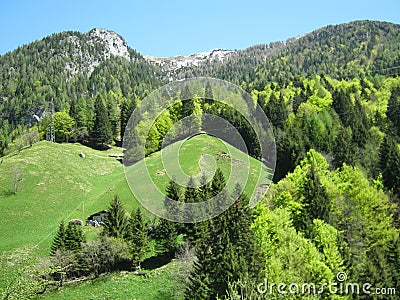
pixel 166 28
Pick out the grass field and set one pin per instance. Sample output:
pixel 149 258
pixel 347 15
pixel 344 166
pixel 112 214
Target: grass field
pixel 163 283
pixel 58 184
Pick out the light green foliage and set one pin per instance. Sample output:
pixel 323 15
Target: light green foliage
pixel 290 257
pixel 63 124
pixel 360 222
pixel 325 238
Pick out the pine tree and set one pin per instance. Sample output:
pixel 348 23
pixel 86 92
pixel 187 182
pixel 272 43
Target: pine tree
pixel 316 202
pixel 137 236
pixel 59 239
pixel 116 222
pixel 345 150
pixel 218 182
pixel 393 111
pixel 191 196
pixel 199 286
pixel 229 254
pixel 202 228
pixel 166 238
pixel 127 108
pixel 102 132
pixel 343 107
pixel 276 111
pixel 208 94
pixel 74 237
pixel 389 164
pixel 173 192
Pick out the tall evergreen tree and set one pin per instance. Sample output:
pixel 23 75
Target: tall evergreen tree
pixel 343 107
pixel 344 150
pixel 229 254
pixel 393 110
pixel 191 196
pixel 166 238
pixel 276 111
pixel 316 202
pixel 218 182
pixel 59 239
pixel 102 132
pixel 74 237
pixel 127 108
pixel 137 236
pixel 208 94
pixel 116 222
pixel 389 163
pixel 173 192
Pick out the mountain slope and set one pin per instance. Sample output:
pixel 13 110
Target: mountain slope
pixel 60 67
pixel 56 182
pixel 341 51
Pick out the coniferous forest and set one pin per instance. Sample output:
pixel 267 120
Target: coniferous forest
pixel 333 100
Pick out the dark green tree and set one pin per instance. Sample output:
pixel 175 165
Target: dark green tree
pixel 276 111
pixel 343 107
pixel 316 202
pixel 102 131
pixel 389 163
pixel 218 182
pixel 344 150
pixel 393 110
pixel 166 238
pixel 199 285
pixel 74 237
pixel 137 237
pixel 116 222
pixel 229 254
pixel 59 239
pixel 208 94
pixel 127 108
pixel 191 196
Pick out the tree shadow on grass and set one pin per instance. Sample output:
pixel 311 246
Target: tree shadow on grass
pixel 156 262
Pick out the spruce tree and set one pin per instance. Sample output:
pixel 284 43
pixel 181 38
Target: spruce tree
pixel 74 237
pixel 202 228
pixel 59 239
pixel 127 108
pixel 116 222
pixel 173 192
pixel 316 202
pixel 137 237
pixel 208 94
pixel 393 111
pixel 191 196
pixel 344 150
pixel 199 286
pixel 166 238
pixel 230 254
pixel 218 182
pixel 102 132
pixel 389 163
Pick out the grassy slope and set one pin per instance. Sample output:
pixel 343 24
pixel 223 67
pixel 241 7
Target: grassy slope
pixel 161 284
pixel 57 181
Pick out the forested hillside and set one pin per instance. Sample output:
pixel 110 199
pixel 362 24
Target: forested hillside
pixel 333 99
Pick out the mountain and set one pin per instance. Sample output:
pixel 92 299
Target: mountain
pixel 360 48
pixel 65 67
pixel 344 50
pixel 69 67
pixel 171 66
